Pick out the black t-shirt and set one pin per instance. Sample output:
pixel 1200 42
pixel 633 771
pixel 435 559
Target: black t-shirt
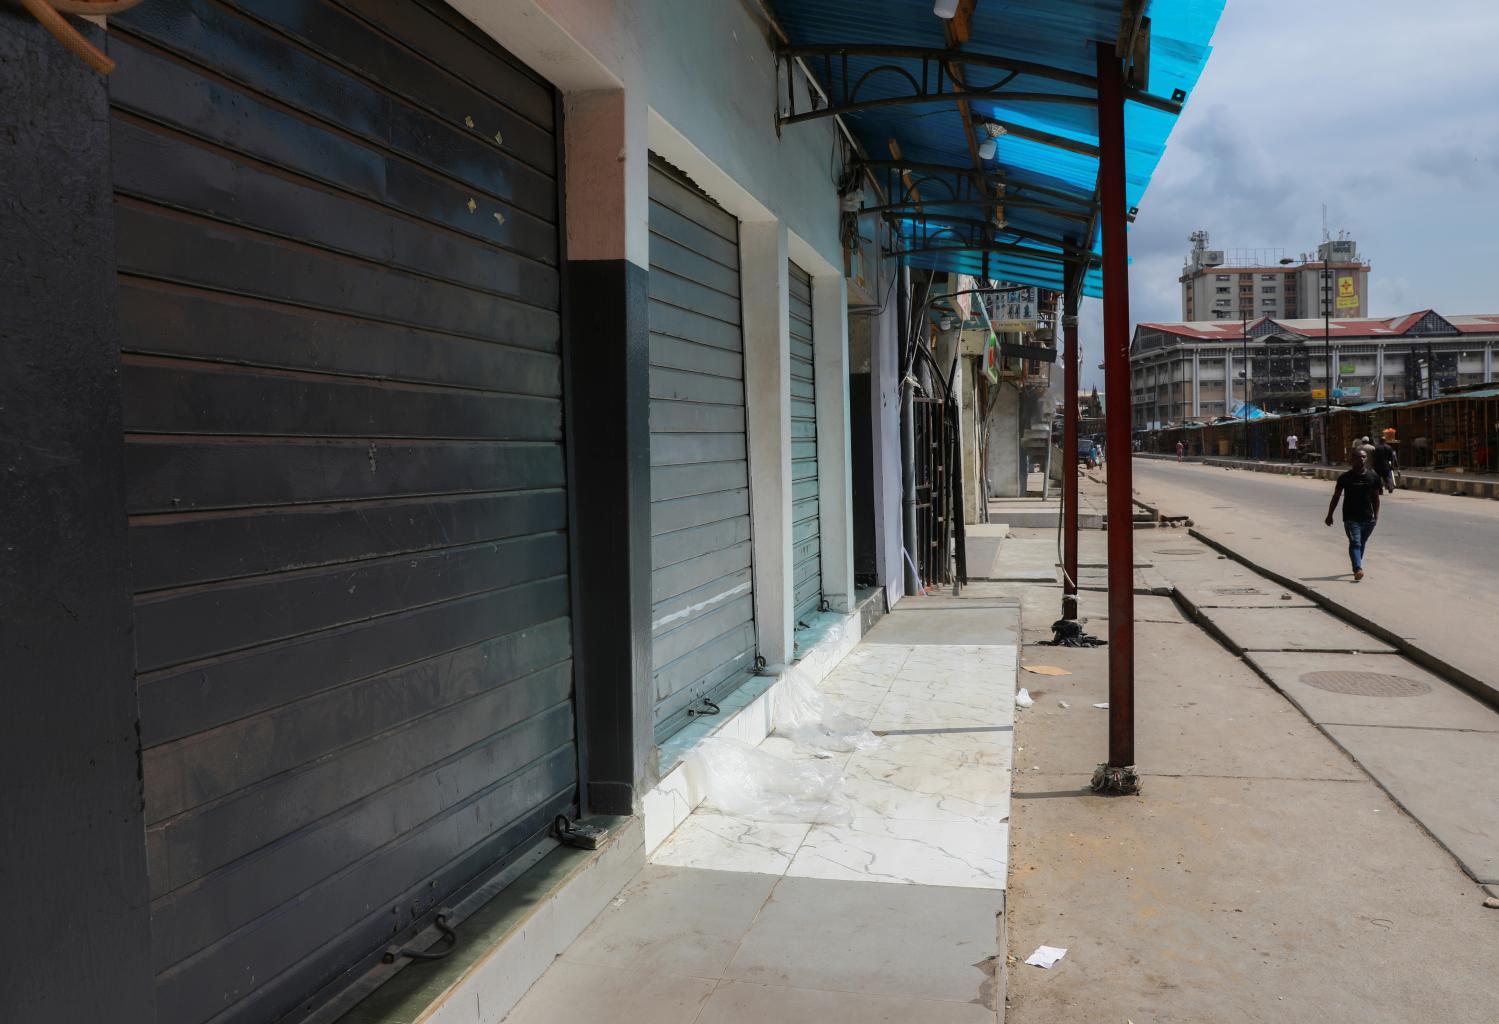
pixel 1360 491
pixel 1384 458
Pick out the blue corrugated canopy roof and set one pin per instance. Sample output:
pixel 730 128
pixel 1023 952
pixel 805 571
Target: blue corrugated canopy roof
pixel 1046 158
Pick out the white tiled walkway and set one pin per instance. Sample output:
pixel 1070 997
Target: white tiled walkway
pixel 929 804
pixel 887 905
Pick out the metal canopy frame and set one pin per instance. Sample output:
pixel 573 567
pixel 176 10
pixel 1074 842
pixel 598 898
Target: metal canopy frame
pixel 937 82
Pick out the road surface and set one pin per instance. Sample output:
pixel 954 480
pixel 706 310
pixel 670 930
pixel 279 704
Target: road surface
pixel 1432 566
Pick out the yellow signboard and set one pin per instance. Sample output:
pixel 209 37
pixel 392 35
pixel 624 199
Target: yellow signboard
pixel 1319 392
pixel 1347 293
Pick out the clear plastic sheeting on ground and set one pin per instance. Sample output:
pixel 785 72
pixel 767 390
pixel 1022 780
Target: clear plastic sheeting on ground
pixel 809 719
pixel 748 782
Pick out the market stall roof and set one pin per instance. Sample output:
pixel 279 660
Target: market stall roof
pixel 923 94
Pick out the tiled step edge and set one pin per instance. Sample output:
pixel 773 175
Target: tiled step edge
pixel 507 943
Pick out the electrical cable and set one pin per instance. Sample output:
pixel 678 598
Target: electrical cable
pixel 49 14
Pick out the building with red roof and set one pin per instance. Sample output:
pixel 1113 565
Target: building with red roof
pixel 1194 370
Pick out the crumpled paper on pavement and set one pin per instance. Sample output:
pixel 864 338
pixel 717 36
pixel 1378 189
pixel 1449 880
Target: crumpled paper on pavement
pixel 1046 956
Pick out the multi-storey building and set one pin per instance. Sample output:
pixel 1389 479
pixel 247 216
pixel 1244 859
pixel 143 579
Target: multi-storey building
pixel 1196 370
pixel 1248 284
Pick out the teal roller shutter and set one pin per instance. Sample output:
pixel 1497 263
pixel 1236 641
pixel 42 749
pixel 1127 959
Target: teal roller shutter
pixel 806 533
pixel 702 586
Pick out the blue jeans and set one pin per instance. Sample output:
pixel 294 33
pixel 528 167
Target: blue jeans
pixel 1358 536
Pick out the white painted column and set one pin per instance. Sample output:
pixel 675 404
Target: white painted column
pixel 1488 361
pixel 1379 374
pixel 1196 383
pixel 767 384
pixel 834 462
pixel 1228 381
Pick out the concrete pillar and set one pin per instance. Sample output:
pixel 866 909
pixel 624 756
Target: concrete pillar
pixel 1379 373
pixel 607 368
pixel 763 254
pixel 74 854
pixel 884 427
pixel 1228 381
pixel 834 463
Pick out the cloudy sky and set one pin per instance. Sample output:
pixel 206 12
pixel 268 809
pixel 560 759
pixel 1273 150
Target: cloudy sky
pixel 1385 110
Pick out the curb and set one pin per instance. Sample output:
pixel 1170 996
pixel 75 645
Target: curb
pixel 1195 616
pixel 1478 688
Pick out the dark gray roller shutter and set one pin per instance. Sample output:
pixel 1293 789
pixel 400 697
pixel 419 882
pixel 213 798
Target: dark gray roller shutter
pixel 702 590
pixel 338 249
pixel 806 534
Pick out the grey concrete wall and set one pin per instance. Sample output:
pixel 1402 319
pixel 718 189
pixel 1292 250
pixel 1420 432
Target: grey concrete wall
pixel 884 425
pixel 73 856
pixel 1002 475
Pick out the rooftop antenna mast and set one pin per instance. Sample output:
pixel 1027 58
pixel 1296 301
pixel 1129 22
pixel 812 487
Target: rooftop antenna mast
pixel 1325 236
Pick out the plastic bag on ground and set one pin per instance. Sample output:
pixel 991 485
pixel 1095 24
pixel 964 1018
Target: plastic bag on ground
pixel 1023 698
pixel 747 782
pixel 808 718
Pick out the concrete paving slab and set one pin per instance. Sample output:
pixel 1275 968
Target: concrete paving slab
pixel 1028 559
pixel 1445 779
pixel 1195 704
pixel 673 919
pixel 1372 689
pixel 947 626
pixel 736 1002
pixel 575 992
pixel 966 599
pixel 1239 592
pixel 858 937
pixel 1290 629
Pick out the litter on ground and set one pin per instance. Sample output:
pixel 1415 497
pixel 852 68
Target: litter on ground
pixel 1046 956
pixel 1046 670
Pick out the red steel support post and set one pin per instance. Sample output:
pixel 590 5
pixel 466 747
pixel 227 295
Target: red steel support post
pixel 1072 287
pixel 1117 404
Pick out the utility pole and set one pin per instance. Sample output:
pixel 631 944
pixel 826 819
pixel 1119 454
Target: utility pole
pixel 1244 323
pixel 1118 775
pixel 1071 286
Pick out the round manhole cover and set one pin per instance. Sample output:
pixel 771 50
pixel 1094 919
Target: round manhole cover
pixel 1177 551
pixel 1366 684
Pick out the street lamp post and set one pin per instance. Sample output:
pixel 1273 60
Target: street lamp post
pixel 1326 293
pixel 1244 331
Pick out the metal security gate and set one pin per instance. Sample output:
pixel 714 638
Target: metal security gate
pixel 806 530
pixel 935 499
pixel 337 231
pixel 702 588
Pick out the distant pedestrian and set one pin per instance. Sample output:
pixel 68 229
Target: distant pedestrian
pixel 1181 450
pixel 1291 442
pixel 1360 489
pixel 1385 463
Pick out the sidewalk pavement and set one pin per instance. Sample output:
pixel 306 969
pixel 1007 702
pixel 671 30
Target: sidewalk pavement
pixel 1439 605
pixel 894 915
pixel 1476 485
pixel 1260 877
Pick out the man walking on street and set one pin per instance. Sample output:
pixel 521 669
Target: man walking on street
pixel 1291 442
pixel 1385 464
pixel 1360 489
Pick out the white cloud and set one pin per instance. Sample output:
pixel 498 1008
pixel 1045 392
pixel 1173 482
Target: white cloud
pixel 1384 110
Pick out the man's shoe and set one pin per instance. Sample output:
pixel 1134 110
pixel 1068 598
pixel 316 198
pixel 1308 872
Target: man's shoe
pixel 1358 574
